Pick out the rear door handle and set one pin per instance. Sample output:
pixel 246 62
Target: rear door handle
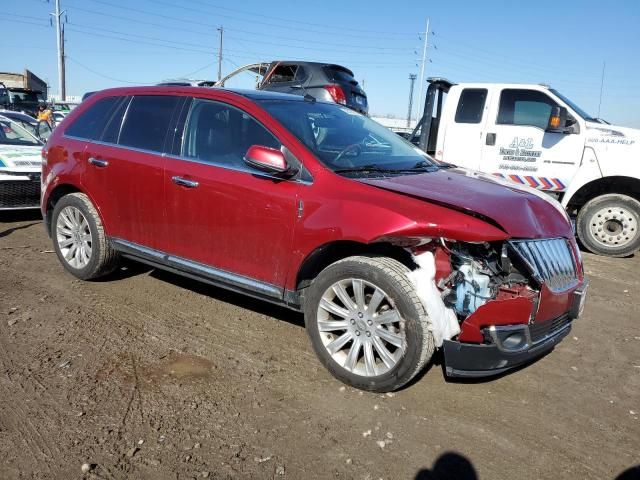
pixel 184 182
pixel 491 139
pixel 98 163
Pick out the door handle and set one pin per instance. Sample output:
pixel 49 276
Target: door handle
pixel 184 182
pixel 491 139
pixel 98 163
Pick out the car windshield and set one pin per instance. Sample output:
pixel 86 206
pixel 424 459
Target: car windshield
pixel 346 141
pixel 13 134
pixel 574 107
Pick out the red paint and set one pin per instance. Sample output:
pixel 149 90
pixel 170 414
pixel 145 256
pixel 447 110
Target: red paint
pixel 511 307
pixel 250 225
pixel 266 157
pixel 519 213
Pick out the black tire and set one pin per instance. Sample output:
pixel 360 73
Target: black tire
pixel 103 258
pixel 390 276
pixel 598 233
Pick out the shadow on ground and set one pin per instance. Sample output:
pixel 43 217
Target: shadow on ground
pixel 449 466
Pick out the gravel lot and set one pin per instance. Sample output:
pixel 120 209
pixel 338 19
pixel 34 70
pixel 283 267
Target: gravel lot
pixel 148 375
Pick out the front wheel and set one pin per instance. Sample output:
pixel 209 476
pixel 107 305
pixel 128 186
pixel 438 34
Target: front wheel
pixel 366 323
pixel 608 225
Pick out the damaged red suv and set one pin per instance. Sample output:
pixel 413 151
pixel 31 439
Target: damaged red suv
pixel 389 254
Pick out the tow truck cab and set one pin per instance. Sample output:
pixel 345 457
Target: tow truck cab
pixel 533 135
pixel 20 99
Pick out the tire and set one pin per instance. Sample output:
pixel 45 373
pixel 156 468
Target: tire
pixel 93 256
pixel 609 225
pixel 407 339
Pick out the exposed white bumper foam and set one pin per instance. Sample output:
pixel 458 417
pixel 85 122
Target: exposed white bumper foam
pixel 443 321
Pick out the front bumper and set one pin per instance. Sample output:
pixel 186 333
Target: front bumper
pixel 484 360
pixel 510 346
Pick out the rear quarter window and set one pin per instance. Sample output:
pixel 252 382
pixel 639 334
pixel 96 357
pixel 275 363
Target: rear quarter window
pixel 90 124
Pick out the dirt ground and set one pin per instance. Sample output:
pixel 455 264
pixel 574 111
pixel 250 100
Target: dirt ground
pixel 148 375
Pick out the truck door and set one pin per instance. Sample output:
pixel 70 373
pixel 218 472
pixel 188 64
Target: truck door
pixel 517 146
pixel 463 134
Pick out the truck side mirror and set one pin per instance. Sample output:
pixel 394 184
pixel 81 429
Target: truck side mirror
pixel 557 120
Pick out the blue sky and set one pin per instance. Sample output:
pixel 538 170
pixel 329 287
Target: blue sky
pixel 122 42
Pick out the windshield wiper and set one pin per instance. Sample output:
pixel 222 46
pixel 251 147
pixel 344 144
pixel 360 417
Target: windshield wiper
pixel 375 169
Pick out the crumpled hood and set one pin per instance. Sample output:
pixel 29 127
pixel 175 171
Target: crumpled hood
pixel 17 157
pixel 520 211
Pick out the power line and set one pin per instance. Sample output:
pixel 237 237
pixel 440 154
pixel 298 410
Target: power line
pixel 300 22
pixel 201 12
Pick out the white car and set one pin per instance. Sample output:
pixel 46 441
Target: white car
pixel 20 167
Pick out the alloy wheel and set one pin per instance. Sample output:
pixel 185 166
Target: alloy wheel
pixel 73 236
pixel 361 328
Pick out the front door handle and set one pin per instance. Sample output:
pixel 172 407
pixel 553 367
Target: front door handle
pixel 184 182
pixel 491 139
pixel 98 163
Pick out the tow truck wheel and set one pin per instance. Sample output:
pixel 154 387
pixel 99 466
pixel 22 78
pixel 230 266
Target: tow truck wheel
pixel 609 225
pixel 367 324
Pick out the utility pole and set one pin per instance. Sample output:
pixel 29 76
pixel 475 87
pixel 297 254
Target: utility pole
pixel 221 30
pixel 412 78
pixel 60 44
pixel 424 61
pixel 601 88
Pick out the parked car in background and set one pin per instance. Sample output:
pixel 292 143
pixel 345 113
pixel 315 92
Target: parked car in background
pixel 313 206
pixel 39 128
pixel 58 117
pixel 188 83
pixel 20 165
pixel 534 136
pixel 323 81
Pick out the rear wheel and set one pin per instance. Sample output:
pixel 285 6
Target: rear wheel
pixel 608 225
pixel 366 323
pixel 79 239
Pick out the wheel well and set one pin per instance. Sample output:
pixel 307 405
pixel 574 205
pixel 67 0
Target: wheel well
pixel 622 185
pixel 57 193
pixel 330 253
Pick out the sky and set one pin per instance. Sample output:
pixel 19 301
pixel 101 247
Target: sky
pixel 126 42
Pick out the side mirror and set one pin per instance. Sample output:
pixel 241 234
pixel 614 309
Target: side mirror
pixel 43 130
pixel 269 160
pixel 557 120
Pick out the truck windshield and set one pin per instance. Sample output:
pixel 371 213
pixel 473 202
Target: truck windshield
pixel 574 107
pixel 13 134
pixel 346 141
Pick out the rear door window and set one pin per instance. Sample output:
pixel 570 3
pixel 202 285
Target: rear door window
pixel 91 123
pixel 471 105
pixel 147 121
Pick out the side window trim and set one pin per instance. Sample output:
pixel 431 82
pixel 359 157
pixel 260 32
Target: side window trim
pixel 123 100
pixel 124 119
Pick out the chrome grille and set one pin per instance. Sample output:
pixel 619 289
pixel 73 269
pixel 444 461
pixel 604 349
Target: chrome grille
pixel 550 262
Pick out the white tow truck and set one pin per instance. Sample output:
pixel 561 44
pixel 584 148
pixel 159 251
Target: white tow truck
pixel 534 136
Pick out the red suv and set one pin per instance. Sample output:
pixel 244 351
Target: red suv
pixel 311 205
